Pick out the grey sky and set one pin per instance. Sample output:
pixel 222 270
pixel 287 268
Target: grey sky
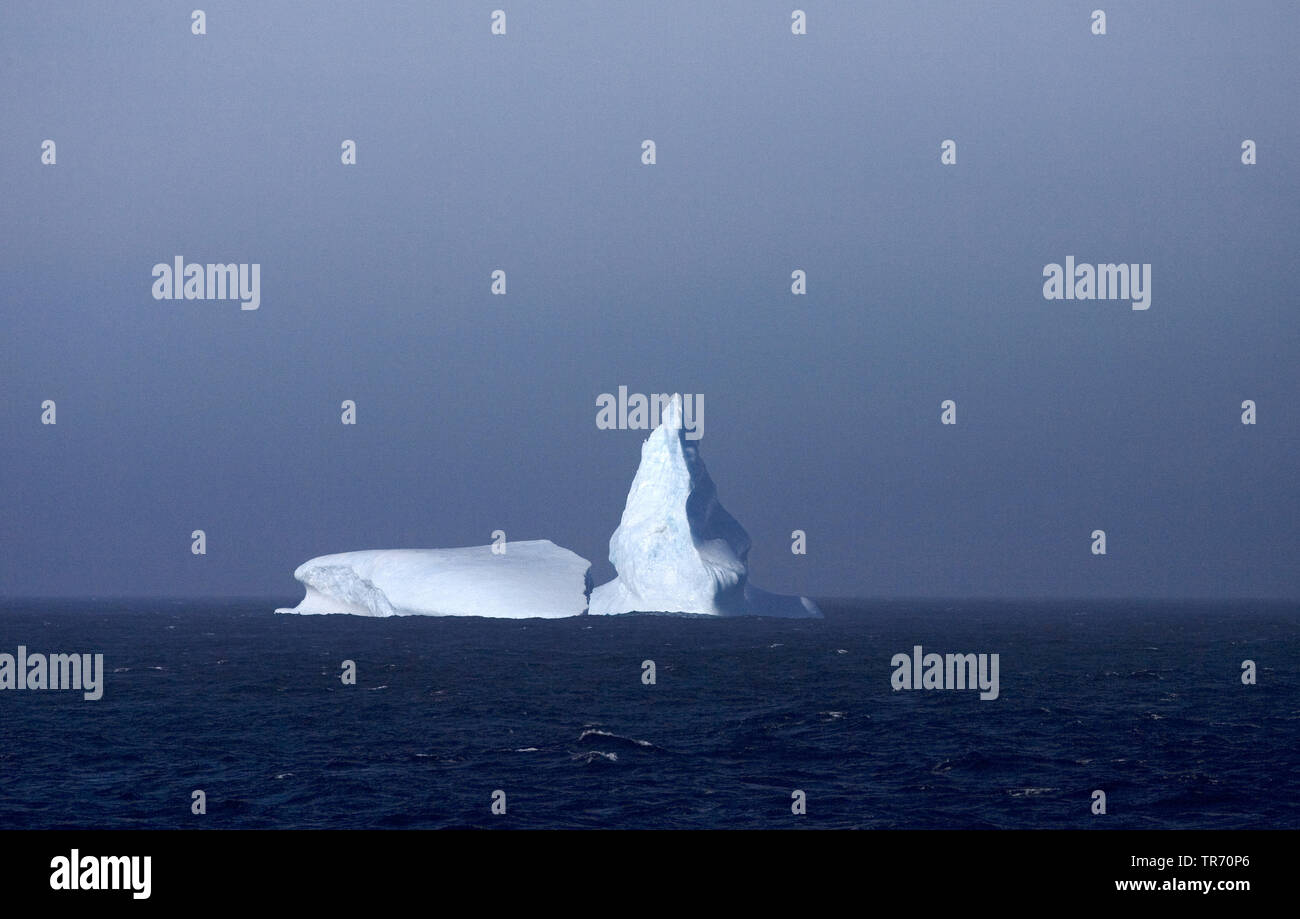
pixel 775 152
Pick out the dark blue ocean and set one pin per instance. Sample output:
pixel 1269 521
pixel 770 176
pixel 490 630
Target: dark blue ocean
pixel 1144 701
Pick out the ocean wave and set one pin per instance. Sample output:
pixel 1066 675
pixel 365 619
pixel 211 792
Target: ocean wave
pixel 616 738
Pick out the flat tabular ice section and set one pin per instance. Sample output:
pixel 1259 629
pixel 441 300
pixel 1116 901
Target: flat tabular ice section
pixel 534 578
pixel 676 548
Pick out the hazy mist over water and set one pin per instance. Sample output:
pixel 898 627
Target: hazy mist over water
pixel 776 152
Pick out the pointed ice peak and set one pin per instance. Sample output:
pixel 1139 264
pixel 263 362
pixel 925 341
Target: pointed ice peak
pixel 676 549
pixel 672 413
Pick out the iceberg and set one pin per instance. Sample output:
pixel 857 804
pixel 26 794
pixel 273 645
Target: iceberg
pixel 531 578
pixel 676 549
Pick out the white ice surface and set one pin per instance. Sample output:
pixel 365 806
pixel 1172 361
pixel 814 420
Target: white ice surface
pixel 533 578
pixel 676 548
